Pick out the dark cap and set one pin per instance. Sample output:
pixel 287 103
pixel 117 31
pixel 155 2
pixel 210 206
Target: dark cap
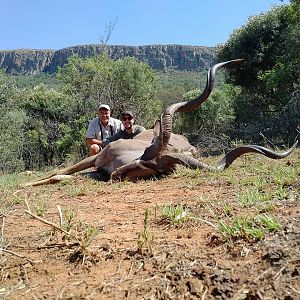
pixel 127 112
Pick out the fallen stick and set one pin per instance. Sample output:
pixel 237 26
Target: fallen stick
pixel 17 254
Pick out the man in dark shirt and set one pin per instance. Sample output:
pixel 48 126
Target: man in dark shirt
pixel 130 130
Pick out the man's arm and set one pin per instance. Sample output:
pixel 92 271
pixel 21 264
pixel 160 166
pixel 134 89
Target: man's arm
pixel 90 141
pixel 91 134
pixel 139 129
pixel 113 138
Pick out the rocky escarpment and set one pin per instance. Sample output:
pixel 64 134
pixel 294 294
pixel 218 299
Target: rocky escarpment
pixel 25 61
pixel 159 57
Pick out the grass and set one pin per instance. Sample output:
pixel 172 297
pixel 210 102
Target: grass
pixel 69 216
pixel 144 240
pixel 252 196
pixel 285 175
pixel 259 184
pixel 252 186
pixel 40 209
pixel 9 183
pixel 248 228
pixel 175 215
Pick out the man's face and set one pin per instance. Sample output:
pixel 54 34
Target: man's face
pixel 104 115
pixel 127 121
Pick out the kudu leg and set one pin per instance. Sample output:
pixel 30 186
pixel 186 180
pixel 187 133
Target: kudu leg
pixel 65 173
pixel 132 171
pixel 51 180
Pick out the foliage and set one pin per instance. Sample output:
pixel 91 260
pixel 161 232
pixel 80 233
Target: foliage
pixel 270 74
pixel 124 83
pixel 173 84
pixel 214 116
pixel 144 240
pixel 135 86
pixel 47 111
pixel 30 81
pixel 175 214
pixel 87 81
pixel 248 228
pixel 11 127
pixel 252 196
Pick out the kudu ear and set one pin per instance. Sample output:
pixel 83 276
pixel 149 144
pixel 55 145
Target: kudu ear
pixel 156 144
pixel 156 130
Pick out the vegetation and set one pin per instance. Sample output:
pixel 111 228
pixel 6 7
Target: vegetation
pixel 124 83
pixel 50 80
pixel 175 214
pixel 249 229
pixel 43 126
pixel 44 117
pixel 144 240
pixel 269 77
pixel 218 112
pixel 204 240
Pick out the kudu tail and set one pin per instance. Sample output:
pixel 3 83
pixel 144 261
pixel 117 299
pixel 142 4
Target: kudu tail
pixel 65 173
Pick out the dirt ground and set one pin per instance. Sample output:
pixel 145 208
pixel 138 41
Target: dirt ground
pixel 133 257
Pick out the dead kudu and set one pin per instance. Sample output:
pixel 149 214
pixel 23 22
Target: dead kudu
pixel 157 151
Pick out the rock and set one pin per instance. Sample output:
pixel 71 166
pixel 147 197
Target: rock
pixel 159 57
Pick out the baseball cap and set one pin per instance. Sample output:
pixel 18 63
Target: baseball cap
pixel 105 106
pixel 127 112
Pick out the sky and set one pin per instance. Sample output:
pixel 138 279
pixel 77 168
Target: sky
pixel 57 24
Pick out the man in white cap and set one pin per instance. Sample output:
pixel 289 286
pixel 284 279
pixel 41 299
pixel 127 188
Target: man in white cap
pixel 101 128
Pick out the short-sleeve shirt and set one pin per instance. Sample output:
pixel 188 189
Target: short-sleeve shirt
pixel 123 134
pixel 96 130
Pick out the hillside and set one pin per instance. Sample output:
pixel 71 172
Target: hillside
pixel 159 57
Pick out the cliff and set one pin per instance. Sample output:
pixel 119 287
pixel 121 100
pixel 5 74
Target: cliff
pixel 159 57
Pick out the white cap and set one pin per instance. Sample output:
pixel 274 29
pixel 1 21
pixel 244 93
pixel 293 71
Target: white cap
pixel 104 106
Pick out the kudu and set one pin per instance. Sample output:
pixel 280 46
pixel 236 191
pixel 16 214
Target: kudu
pixel 157 151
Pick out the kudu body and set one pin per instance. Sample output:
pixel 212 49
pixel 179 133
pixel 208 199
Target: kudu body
pixel 157 151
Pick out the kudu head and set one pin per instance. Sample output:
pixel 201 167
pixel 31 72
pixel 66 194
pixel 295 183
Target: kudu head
pixel 163 128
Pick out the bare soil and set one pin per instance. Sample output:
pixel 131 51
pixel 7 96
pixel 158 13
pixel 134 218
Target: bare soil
pixel 190 260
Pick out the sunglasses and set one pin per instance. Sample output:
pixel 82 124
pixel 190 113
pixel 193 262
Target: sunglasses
pixel 127 119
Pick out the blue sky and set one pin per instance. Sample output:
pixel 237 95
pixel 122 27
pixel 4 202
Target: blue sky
pixel 56 24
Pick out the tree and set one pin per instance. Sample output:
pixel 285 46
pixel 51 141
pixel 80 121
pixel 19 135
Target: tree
pixel 270 75
pixel 47 111
pixel 11 127
pixel 214 116
pixel 135 88
pixel 125 83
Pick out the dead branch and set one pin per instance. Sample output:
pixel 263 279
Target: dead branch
pixel 2 228
pixel 60 215
pixel 59 245
pixel 52 225
pixel 17 254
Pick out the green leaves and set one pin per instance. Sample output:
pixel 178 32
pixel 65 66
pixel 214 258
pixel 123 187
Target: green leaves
pixel 125 83
pixel 215 115
pixel 270 74
pixel 41 126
